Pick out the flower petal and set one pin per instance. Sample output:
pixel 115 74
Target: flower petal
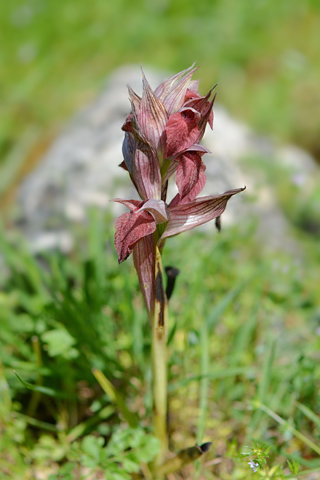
pixel 158 210
pixel 207 117
pixel 128 151
pixel 203 106
pixel 134 99
pixel 190 178
pixel 182 131
pixel 193 86
pixel 143 168
pixel 172 91
pixel 144 262
pixel 146 175
pixel 173 165
pixel 198 148
pixel 152 117
pixel 199 211
pixel 133 205
pixel 130 228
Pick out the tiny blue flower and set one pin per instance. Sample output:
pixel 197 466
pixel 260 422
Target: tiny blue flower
pixel 254 465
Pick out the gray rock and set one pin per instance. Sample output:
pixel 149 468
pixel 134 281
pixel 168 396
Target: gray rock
pixel 81 169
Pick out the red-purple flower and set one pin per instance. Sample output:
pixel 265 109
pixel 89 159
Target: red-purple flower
pixel 161 129
pixel 162 138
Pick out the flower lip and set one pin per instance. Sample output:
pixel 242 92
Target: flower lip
pixel 157 208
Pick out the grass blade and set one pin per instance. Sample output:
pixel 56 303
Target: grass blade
pixel 264 383
pixel 37 423
pixel 293 430
pixel 220 308
pixel 204 385
pixel 213 375
pixel 309 413
pixel 204 382
pixel 80 429
pixel 116 398
pixel 45 390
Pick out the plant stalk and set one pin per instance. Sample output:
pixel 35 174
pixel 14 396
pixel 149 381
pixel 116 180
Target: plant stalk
pixel 183 458
pixel 159 323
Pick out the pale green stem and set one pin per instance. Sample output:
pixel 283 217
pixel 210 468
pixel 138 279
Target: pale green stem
pixel 183 458
pixel 116 398
pixel 204 385
pixel 159 323
pixel 35 395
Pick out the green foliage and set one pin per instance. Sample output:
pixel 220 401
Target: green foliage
pixel 294 467
pixel 258 454
pixel 59 342
pixel 237 317
pixel 121 457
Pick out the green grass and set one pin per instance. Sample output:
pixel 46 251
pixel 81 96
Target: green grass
pixel 55 56
pixel 243 353
pixel 244 324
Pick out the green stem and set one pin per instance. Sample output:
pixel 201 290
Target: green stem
pixel 35 398
pixel 159 321
pixel 204 385
pixel 204 382
pixel 116 398
pixel 183 458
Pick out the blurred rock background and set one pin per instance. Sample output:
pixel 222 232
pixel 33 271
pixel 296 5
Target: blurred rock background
pixel 80 169
pixel 57 57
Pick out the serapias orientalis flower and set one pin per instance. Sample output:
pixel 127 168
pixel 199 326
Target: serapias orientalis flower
pixel 163 132
pixel 162 135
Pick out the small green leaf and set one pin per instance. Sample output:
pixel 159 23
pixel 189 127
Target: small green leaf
pixel 59 342
pixel 92 446
pixel 294 466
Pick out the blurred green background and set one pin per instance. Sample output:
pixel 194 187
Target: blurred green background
pixel 256 334
pixel 55 56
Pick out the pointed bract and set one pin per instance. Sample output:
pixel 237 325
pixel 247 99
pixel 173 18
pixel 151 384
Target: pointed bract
pixel 172 91
pixel 202 105
pixel 147 175
pixel 133 205
pixel 152 118
pixel 199 211
pixel 134 99
pixel 133 226
pixel 144 169
pixel 182 131
pixel 158 210
pixel 206 117
pixel 130 228
pixel 190 178
pixel 144 262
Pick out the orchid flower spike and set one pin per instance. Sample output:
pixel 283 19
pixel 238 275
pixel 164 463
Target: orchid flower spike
pixel 162 138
